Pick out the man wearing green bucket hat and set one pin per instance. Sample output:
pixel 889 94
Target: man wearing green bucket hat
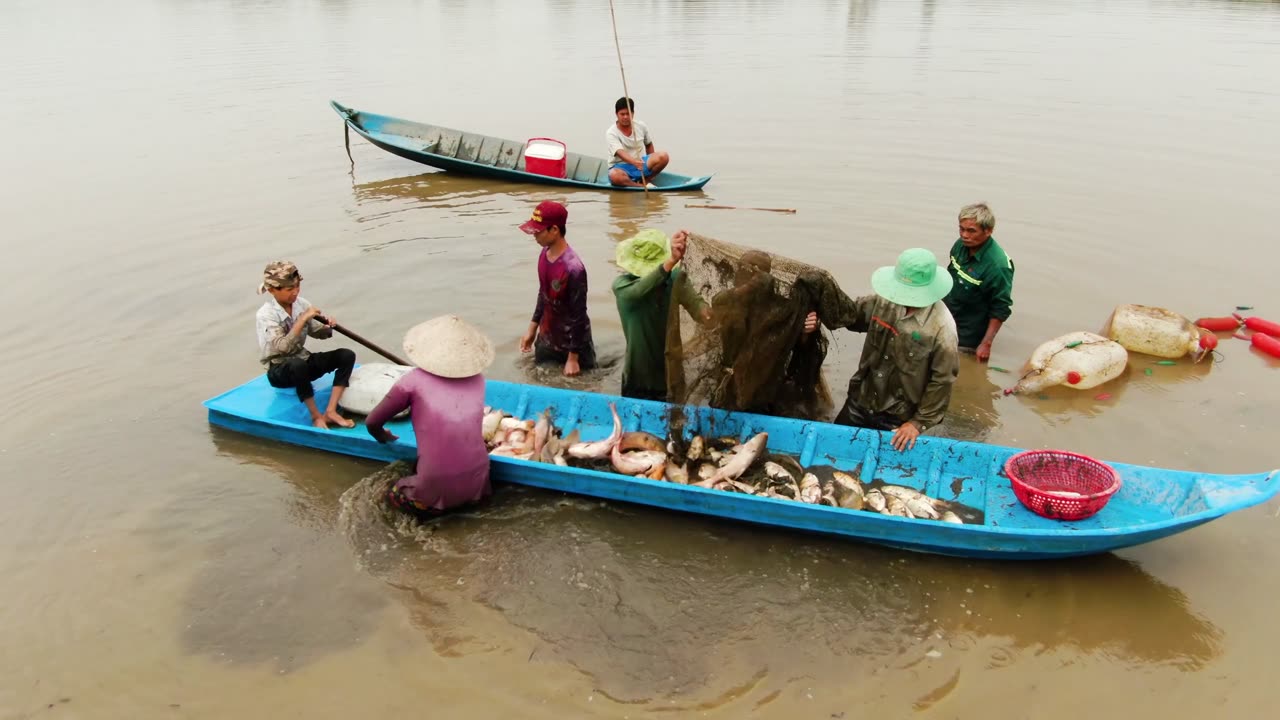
pixel 911 356
pixel 644 292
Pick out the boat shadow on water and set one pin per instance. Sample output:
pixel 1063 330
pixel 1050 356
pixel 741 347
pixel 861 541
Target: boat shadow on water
pixel 690 612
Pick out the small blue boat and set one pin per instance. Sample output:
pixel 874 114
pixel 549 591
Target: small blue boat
pixel 474 154
pixel 1151 504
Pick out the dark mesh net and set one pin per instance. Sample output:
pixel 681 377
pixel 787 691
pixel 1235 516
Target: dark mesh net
pixel 752 355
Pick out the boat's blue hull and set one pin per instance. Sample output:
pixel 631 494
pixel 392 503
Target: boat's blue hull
pixel 485 156
pixel 1152 503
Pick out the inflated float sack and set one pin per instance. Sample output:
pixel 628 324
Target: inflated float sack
pixel 369 384
pixel 1079 360
pixel 1159 332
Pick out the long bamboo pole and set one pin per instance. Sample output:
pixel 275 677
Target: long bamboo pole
pixel 626 95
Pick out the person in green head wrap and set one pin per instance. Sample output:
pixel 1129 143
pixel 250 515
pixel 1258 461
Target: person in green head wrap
pixel 649 294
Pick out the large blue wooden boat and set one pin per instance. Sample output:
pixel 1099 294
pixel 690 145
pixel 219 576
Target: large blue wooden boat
pixel 475 154
pixel 1152 503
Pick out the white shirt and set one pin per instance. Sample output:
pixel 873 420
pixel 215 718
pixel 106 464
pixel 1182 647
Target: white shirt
pixel 274 324
pixel 633 145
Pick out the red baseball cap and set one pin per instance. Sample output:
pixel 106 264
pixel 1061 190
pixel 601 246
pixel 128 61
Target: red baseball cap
pixel 547 213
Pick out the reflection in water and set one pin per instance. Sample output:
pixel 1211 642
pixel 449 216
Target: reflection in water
pixel 660 609
pixel 971 414
pixel 269 592
pixel 629 213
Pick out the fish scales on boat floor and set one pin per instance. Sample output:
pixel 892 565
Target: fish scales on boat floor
pixel 803 475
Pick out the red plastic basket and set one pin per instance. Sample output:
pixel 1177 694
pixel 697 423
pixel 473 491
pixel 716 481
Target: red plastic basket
pixel 1061 485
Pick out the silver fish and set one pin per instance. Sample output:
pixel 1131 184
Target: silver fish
pixel 875 501
pixel 777 472
pixel 715 456
pixel 905 494
pixel 828 496
pixel 922 508
pixel 499 437
pixel 696 449
pixel 790 464
pixel 511 452
pixel 951 517
pixel 848 492
pixel 677 473
pixel 752 449
pixel 599 449
pixel 636 462
pixel 489 425
pixel 706 470
pixel 512 423
pixel 810 489
pixel 741 486
pixel 895 506
pixel 540 432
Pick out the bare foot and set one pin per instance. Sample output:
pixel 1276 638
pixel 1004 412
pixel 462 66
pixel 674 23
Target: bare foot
pixel 334 417
pixel 320 422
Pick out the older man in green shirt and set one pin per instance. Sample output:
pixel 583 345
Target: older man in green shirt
pixel 982 297
pixel 910 358
pixel 645 292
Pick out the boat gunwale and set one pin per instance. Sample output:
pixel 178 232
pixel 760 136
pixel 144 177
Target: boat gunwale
pixel 1255 497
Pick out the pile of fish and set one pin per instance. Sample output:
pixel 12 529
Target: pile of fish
pixel 717 464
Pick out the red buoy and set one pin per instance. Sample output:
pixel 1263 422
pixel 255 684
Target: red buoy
pixel 1218 324
pixel 1074 378
pixel 1208 341
pixel 1258 325
pixel 1266 344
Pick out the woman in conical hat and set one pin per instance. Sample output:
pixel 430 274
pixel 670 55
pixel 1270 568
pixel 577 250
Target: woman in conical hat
pixel 446 394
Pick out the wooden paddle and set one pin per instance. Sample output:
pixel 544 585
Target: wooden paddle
pixel 384 353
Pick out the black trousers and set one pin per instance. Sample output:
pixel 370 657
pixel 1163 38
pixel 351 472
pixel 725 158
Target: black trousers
pixel 544 353
pixel 857 416
pixel 297 373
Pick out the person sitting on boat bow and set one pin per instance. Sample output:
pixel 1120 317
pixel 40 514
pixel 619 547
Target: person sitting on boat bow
pixel 560 330
pixel 910 358
pixel 283 324
pixel 634 162
pixel 446 396
pixel 650 292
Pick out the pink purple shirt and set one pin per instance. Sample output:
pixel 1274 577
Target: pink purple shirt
pixel 561 313
pixel 453 462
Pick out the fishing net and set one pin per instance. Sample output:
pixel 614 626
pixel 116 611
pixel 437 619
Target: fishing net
pixel 752 354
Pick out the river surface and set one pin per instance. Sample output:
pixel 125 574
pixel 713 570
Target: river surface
pixel 158 153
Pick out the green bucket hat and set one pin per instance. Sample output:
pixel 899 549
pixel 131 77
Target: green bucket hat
pixel 916 281
pixel 643 253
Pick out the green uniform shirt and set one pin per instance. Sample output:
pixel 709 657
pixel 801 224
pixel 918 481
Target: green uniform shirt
pixel 983 290
pixel 908 363
pixel 651 325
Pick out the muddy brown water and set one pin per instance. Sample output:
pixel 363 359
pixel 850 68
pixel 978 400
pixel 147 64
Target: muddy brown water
pixel 160 153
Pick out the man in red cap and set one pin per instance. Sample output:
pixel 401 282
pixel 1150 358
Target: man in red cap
pixel 560 330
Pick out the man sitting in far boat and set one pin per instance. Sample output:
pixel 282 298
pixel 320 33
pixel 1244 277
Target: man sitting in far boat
pixel 560 331
pixel 283 324
pixel 634 162
pixel 446 394
pixel 910 358
pixel 650 292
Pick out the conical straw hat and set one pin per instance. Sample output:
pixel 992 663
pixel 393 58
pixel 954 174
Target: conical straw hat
pixel 447 346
